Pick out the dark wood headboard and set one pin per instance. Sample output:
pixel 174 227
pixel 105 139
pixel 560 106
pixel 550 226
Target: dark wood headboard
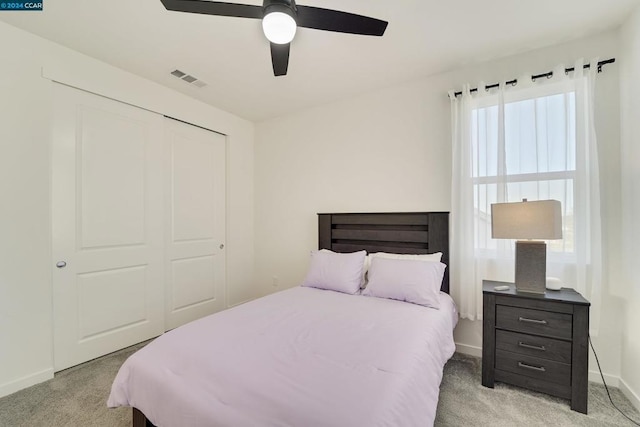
pixel 401 233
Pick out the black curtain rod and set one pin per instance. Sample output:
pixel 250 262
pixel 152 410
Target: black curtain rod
pixel 547 75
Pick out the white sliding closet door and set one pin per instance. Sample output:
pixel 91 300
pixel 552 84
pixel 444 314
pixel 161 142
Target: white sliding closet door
pixel 195 217
pixel 107 222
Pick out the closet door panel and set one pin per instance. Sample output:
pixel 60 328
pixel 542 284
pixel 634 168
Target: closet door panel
pixel 107 223
pixel 196 279
pixel 195 262
pixel 194 175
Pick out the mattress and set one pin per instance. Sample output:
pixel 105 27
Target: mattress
pixel 300 357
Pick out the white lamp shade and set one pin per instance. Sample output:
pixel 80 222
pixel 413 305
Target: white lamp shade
pixel 278 27
pixel 540 219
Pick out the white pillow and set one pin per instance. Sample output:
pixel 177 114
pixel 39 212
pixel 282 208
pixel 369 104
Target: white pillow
pixel 410 280
pixel 335 271
pixel 436 256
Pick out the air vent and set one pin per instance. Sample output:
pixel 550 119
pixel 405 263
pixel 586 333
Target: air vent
pixel 188 78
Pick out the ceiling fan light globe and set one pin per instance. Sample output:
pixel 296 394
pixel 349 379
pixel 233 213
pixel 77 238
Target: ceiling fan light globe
pixel 279 27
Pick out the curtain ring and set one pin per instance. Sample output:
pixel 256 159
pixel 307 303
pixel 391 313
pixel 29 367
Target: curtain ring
pixel 599 68
pixel 514 83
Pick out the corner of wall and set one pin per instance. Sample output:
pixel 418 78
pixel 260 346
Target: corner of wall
pixel 630 169
pixel 630 394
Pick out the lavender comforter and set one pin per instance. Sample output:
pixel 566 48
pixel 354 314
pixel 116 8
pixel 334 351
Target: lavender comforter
pixel 300 357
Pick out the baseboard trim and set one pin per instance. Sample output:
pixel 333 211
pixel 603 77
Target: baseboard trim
pixel 630 394
pixel 471 350
pixel 26 381
pixel 612 381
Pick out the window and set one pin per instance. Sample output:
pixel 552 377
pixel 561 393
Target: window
pixel 536 141
pixel 536 159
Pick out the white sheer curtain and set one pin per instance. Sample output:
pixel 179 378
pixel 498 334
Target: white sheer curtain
pixel 535 140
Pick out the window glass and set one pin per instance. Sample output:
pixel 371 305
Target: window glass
pixel 535 160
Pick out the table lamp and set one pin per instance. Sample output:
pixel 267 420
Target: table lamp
pixel 541 220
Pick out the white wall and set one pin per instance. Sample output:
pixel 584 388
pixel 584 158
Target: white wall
pixel 25 283
pixel 390 151
pixel 346 157
pixel 630 147
pixel 25 260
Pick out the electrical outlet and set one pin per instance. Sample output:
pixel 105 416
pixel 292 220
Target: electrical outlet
pixel 274 281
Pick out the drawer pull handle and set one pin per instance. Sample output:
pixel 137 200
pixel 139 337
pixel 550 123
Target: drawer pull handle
pixel 533 368
pixel 526 319
pixel 531 346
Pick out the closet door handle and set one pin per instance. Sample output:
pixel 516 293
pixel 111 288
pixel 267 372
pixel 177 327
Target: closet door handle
pixel 533 368
pixel 536 321
pixel 61 264
pixel 531 346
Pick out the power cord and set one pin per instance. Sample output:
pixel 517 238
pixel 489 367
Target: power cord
pixel 607 388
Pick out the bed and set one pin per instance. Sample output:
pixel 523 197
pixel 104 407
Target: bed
pixel 306 356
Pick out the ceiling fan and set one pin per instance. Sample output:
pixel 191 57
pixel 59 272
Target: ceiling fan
pixel 280 18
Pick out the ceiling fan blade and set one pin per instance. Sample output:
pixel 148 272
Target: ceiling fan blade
pixel 280 58
pixel 342 22
pixel 214 8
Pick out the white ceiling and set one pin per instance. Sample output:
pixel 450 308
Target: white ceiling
pixel 231 54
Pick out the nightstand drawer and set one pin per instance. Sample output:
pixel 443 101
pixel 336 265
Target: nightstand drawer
pixel 547 323
pixel 535 346
pixel 534 367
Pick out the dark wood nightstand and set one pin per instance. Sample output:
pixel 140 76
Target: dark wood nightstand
pixel 536 341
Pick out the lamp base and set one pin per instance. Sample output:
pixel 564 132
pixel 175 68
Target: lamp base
pixel 531 266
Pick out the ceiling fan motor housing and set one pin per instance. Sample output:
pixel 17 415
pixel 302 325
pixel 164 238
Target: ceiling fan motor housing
pixel 282 6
